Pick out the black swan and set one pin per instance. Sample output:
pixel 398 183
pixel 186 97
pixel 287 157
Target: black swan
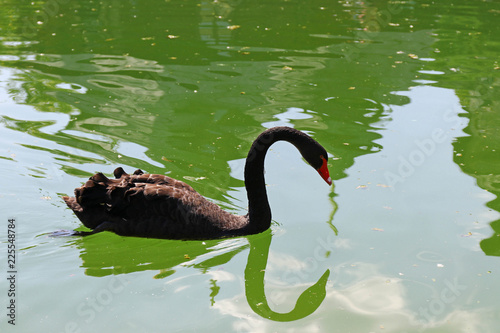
pixel 158 206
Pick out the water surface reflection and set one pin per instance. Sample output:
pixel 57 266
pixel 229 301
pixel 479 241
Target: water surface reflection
pixel 105 254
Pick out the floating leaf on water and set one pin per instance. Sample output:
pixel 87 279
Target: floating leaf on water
pixel 233 27
pixel 194 179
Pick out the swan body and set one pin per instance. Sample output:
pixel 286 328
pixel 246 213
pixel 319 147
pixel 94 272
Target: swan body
pixel 157 206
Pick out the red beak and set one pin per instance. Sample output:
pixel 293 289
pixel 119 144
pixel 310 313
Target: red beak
pixel 324 173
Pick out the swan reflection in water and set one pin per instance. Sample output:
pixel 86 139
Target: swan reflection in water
pixel 306 304
pixel 103 258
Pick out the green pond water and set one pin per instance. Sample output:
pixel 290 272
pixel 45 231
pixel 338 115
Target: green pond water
pixel 404 95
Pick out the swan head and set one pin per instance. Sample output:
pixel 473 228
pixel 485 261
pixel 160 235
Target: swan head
pixel 323 171
pixel 317 157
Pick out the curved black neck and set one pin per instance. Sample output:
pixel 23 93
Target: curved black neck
pixel 259 212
